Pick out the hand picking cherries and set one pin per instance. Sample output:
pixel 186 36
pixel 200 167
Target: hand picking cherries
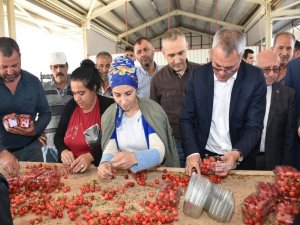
pixel 208 167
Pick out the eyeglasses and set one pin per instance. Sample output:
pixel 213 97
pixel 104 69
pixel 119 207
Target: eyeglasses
pixel 225 70
pixel 268 70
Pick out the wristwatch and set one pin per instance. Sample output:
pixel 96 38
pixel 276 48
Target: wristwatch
pixel 241 154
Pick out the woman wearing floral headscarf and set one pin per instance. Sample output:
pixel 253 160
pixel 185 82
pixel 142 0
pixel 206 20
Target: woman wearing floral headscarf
pixel 137 134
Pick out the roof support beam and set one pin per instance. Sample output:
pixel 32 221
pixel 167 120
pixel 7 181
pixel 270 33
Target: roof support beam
pixel 140 15
pixel 180 13
pixel 203 18
pixel 151 22
pixel 91 8
pixel 286 18
pixel 286 12
pixel 65 9
pixel 197 32
pixel 30 18
pixel 261 2
pixel 102 10
pixel 288 6
pixel 255 18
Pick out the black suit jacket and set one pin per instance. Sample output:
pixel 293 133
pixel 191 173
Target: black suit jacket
pixel 247 109
pixel 281 127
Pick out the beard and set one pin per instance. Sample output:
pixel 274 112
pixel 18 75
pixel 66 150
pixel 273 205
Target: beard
pixel 146 62
pixel 10 78
pixel 104 77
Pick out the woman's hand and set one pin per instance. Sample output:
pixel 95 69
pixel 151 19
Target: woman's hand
pixel 67 157
pixel 299 131
pixel 123 160
pixel 82 163
pixel 105 170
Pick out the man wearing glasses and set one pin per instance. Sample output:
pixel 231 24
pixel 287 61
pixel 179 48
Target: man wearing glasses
pixel 277 145
pixel 224 106
pixel 58 93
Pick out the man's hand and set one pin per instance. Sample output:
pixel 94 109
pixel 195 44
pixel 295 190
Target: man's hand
pixel 43 139
pixel 123 160
pixel 299 131
pixel 230 158
pixel 29 131
pixel 193 163
pixel 9 162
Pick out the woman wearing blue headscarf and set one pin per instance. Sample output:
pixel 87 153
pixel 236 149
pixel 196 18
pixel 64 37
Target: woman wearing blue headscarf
pixel 136 132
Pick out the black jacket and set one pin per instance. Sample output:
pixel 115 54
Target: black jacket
pixel 281 131
pixel 5 216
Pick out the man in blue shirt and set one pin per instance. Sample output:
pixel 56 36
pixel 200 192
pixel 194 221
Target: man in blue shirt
pixel 21 94
pixel 144 52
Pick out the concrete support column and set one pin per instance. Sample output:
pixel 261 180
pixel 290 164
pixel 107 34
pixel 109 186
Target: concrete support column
pixel 85 29
pixel 2 27
pixel 11 19
pixel 269 25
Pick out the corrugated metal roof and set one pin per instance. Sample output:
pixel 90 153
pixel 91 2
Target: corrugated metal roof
pixel 151 18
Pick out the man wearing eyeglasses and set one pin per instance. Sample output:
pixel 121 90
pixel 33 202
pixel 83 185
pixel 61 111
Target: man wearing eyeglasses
pixel 58 93
pixel 277 145
pixel 224 107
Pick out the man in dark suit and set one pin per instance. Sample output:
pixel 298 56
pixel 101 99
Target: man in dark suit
pixel 224 106
pixel 293 80
pixel 277 144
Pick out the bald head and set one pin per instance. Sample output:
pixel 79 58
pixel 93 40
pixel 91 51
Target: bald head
pixel 269 62
pixel 266 57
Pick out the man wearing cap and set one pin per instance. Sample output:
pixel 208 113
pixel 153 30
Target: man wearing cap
pixel 22 99
pixel 58 93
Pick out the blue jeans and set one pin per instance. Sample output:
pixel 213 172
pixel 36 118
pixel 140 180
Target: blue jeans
pixel 31 152
pixel 180 152
pixel 50 154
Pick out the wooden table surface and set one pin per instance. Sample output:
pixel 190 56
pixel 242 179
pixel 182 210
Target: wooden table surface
pixel 241 183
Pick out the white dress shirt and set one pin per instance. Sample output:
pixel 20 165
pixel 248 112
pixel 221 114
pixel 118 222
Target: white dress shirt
pixel 219 137
pixel 263 135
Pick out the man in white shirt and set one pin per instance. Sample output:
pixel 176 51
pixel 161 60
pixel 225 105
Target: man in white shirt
pixel 277 145
pixel 224 106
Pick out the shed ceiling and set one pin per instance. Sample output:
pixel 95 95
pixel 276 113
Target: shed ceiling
pixel 125 21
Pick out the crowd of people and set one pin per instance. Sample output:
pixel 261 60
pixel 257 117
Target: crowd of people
pixel 114 114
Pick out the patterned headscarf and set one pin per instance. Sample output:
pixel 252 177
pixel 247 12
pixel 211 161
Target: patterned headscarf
pixel 123 72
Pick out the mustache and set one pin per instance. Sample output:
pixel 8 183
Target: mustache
pixel 60 74
pixel 10 78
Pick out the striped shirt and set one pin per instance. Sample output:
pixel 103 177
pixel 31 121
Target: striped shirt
pixel 57 99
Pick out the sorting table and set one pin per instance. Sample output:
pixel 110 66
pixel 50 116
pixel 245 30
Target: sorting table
pixel 241 183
